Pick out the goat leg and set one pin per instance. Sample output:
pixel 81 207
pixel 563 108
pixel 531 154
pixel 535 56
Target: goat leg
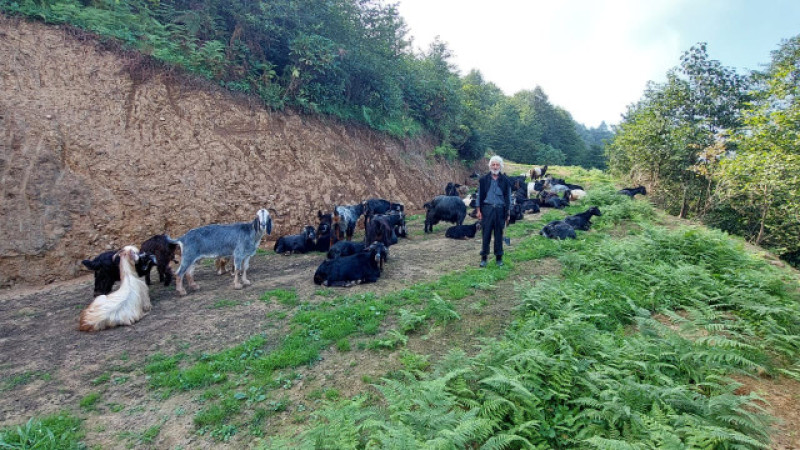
pixel 190 279
pixel 179 285
pixel 236 283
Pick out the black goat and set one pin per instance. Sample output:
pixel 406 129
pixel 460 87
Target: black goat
pixel 462 231
pixel 444 208
pixel 380 230
pixel 518 182
pixel 106 269
pixel 631 192
pixel 530 205
pixel 164 253
pixel 452 189
pixel 521 194
pixel 325 235
pixel 361 267
pixel 345 248
pixel 551 200
pixel 375 206
pixel 297 243
pixel 397 220
pixel 515 214
pixel 558 229
pixel 582 221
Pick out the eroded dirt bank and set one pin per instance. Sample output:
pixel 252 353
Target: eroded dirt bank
pixel 98 149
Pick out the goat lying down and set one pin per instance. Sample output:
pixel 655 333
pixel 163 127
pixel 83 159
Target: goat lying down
pixel 212 241
pixel 126 305
pixel 558 229
pixel 361 267
pixel 297 243
pixel 462 231
pixel 631 192
pixel 345 248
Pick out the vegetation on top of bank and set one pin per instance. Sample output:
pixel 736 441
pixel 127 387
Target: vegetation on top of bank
pixel 349 58
pixel 721 147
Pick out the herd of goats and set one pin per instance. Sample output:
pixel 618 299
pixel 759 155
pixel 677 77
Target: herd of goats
pixel 347 262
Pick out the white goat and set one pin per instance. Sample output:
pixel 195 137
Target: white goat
pixel 577 194
pixel 126 305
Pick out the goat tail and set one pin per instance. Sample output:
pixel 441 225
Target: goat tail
pixel 177 242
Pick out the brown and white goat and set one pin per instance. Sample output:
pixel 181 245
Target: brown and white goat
pixel 537 172
pixel 126 305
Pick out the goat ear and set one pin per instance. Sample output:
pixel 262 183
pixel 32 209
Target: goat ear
pixel 269 225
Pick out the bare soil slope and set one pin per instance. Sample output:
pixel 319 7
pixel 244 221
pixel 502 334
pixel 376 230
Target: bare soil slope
pixel 100 149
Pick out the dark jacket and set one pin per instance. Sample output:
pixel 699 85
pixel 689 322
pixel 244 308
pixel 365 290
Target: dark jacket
pixel 505 185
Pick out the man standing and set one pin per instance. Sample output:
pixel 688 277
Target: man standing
pixel 494 206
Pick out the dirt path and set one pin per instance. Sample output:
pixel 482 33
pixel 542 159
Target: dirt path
pixel 47 365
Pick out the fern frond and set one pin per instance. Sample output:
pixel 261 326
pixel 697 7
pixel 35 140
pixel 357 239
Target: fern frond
pixel 504 441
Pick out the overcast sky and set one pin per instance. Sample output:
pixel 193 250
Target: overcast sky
pixel 594 57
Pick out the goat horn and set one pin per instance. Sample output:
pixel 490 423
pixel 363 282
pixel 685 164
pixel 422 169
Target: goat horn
pixel 274 211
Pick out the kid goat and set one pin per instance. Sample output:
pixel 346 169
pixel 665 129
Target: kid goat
pixel 106 269
pixel 212 241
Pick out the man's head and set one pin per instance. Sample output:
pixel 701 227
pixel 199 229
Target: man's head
pixel 495 164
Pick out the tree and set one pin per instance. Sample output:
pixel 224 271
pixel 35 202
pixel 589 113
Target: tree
pixel 662 136
pixel 761 180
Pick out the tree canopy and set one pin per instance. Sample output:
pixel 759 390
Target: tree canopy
pixel 721 146
pixel 348 58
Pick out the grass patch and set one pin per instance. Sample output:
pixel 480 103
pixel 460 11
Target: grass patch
pixel 283 296
pixel 102 379
pixel 219 304
pixel 22 379
pixel 343 345
pixel 89 402
pixel 146 437
pixel 56 432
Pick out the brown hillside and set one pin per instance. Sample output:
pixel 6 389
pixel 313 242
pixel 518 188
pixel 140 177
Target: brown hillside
pixel 99 150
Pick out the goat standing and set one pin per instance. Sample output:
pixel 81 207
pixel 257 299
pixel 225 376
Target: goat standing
pixel 212 241
pixel 582 221
pixel 106 269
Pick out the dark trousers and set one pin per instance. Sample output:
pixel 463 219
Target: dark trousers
pixel 494 220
